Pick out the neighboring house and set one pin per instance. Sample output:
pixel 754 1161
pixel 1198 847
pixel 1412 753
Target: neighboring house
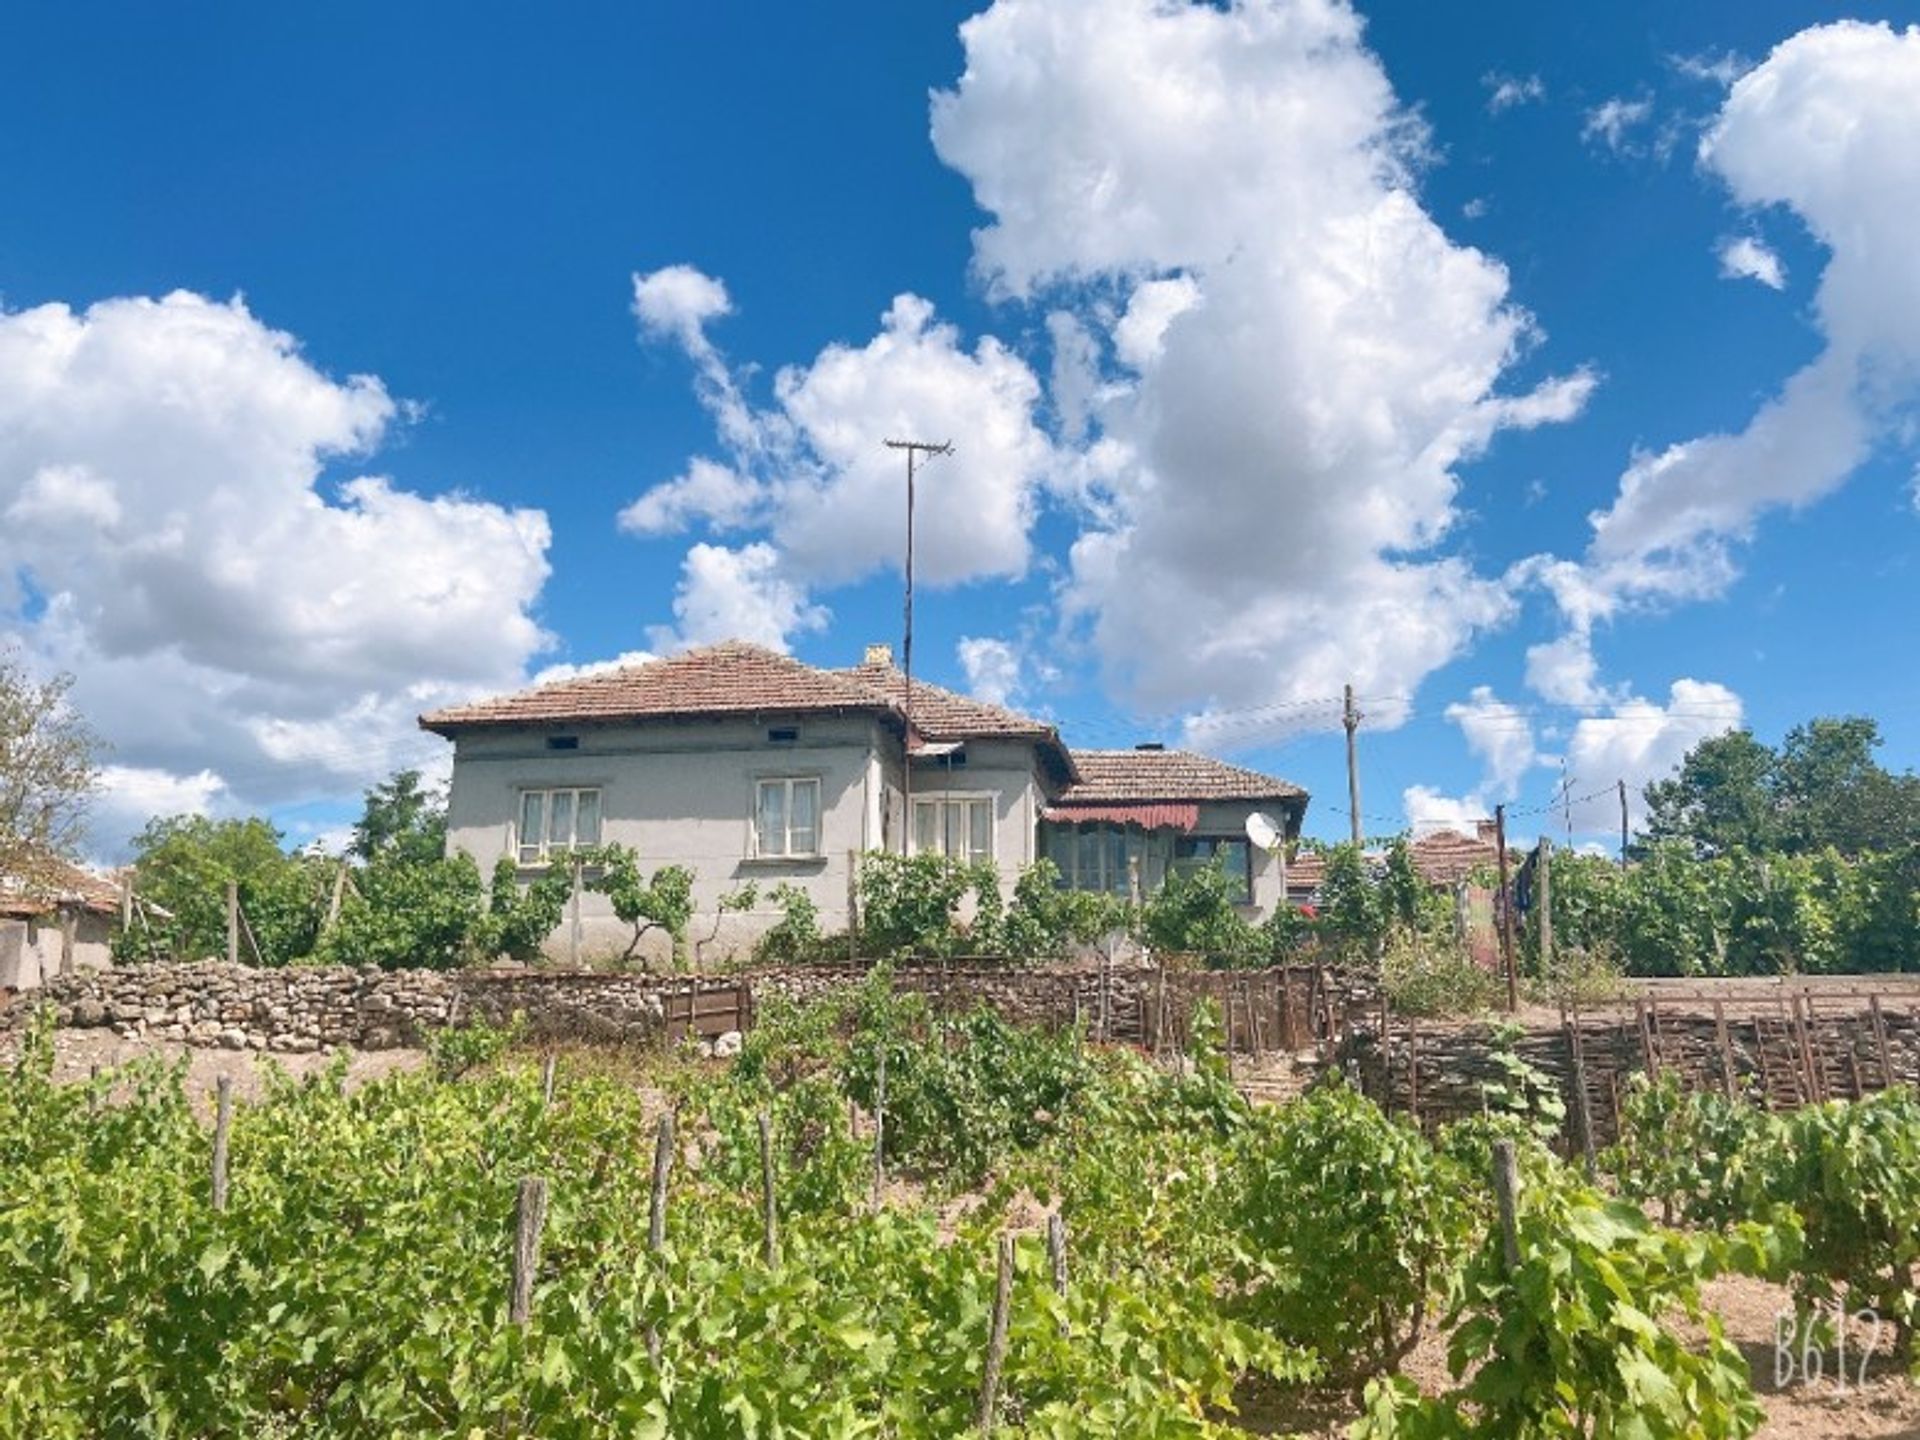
pixel 746 765
pixel 61 918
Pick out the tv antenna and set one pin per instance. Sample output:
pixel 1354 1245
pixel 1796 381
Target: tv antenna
pixel 918 452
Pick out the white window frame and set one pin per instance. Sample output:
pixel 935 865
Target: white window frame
pixel 544 852
pixel 788 784
pixel 941 799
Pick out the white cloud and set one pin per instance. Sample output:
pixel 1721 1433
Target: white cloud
pixel 1428 810
pixel 993 668
pixel 1612 123
pixel 1640 741
pixel 1715 69
pixel 1746 257
pixel 1500 736
pixel 1565 671
pixel 740 594
pixel 813 472
pixel 222 607
pixel 626 659
pixel 1307 357
pixel 1504 92
pixel 679 300
pixel 1823 126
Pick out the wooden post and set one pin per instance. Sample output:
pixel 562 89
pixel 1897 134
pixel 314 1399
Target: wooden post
pixel 573 926
pixel 233 922
pixel 853 910
pixel 880 1126
pixel 1543 904
pixel 662 1165
pixel 1582 1109
pixel 1057 1251
pixel 546 1080
pixel 1506 1194
pixel 126 901
pixel 1289 1039
pixel 996 1339
pixel 1350 718
pixel 1760 1058
pixel 1106 994
pixel 333 900
pixel 1160 1017
pixel 222 1123
pixel 1253 1019
pixel 1506 907
pixel 1226 1027
pixel 1880 1041
pixel 1624 825
pixel 769 1214
pixel 1726 1050
pixel 529 1214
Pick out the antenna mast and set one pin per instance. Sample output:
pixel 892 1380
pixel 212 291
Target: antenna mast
pixel 915 450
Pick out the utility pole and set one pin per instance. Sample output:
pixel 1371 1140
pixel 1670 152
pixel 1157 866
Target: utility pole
pixel 1350 717
pixel 915 449
pixel 1623 824
pixel 1506 907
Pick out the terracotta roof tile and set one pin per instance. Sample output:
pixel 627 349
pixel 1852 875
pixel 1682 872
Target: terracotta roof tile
pixel 1446 857
pixel 732 678
pixel 942 714
pixel 57 882
pixel 1118 775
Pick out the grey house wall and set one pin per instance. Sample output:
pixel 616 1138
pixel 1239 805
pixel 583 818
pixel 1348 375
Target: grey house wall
pixel 33 951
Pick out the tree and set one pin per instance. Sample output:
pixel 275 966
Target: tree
pixel 48 771
pixel 1722 798
pixel 183 863
pixel 403 819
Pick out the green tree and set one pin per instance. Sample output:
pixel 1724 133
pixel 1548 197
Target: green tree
pixel 410 914
pixel 1831 791
pixel 183 863
pixel 401 817
pixel 1722 797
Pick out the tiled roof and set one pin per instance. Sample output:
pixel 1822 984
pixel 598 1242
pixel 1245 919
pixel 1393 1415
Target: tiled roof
pixel 942 714
pixel 56 883
pixel 732 678
pixel 1446 857
pixel 1306 871
pixel 1115 775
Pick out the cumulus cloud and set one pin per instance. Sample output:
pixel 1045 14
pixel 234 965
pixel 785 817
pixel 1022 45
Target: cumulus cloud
pixel 1504 92
pixel 993 668
pixel 227 611
pixel 1428 810
pixel 1823 127
pixel 1746 257
pixel 626 659
pixel 1302 359
pixel 1640 741
pixel 813 472
pixel 743 594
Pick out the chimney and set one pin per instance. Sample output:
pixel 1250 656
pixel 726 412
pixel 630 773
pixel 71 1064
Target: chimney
pixel 879 655
pixel 1150 745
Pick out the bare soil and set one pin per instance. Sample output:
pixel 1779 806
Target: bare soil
pixel 78 1053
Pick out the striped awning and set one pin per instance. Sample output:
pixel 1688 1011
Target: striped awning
pixel 1183 816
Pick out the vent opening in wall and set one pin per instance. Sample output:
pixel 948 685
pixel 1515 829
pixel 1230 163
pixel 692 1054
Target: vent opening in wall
pixel 563 742
pixel 783 735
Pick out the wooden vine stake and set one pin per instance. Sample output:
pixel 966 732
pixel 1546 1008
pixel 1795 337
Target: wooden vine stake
pixel 1582 1110
pixel 222 1123
pixel 547 1078
pixel 996 1339
pixel 769 1212
pixel 662 1165
pixel 529 1214
pixel 1506 1193
pixel 1057 1251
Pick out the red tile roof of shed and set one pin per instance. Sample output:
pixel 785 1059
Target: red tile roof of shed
pixel 1107 776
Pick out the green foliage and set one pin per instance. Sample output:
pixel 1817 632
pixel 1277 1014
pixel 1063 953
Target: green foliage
pixel 1822 789
pixel 665 902
pixel 519 920
pixel 1426 974
pixel 454 1050
pixel 1356 1224
pixel 405 913
pixel 909 903
pixel 795 936
pixel 1571 1341
pixel 184 864
pixel 1520 1089
pixel 1194 913
pixel 1353 914
pixel 1693 1152
pixel 403 819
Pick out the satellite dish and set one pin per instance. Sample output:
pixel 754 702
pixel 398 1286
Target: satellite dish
pixel 1264 831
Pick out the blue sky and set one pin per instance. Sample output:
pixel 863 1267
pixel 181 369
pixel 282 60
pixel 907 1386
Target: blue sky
pixel 457 201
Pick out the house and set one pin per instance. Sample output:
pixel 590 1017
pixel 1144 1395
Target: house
pixel 746 765
pixel 57 919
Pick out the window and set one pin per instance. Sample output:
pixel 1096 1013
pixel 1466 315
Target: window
pixel 1094 857
pixel 786 819
pixel 1235 856
pixel 563 742
pixel 783 735
pixel 957 826
pixel 553 822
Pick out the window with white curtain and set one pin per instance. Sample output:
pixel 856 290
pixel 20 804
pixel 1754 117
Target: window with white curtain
pixel 959 826
pixel 786 818
pixel 555 822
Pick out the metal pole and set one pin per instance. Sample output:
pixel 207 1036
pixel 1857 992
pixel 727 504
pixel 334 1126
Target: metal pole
pixel 914 449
